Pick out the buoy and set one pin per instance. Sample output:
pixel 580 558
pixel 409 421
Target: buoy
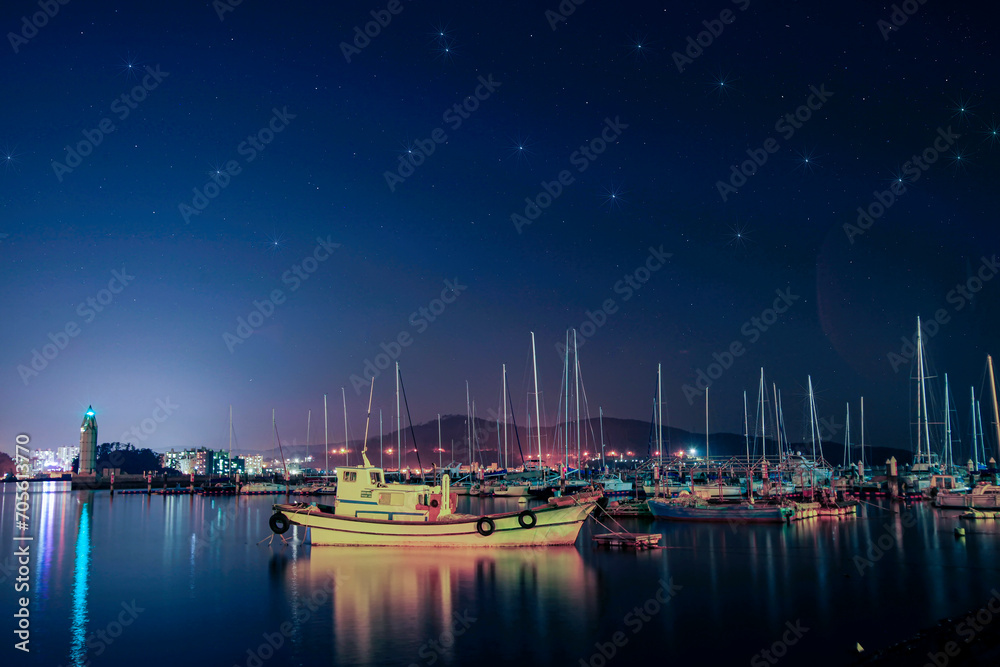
pixel 959 531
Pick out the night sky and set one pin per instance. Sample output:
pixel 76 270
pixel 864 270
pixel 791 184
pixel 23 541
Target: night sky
pixel 174 163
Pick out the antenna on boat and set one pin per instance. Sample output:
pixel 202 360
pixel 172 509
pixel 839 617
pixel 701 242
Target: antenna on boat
pixel 364 448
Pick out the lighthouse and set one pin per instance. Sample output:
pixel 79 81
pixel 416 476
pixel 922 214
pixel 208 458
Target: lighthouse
pixel 88 443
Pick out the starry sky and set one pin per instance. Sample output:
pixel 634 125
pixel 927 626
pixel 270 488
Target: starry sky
pixel 207 205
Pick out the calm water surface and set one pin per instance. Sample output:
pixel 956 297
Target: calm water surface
pixel 183 580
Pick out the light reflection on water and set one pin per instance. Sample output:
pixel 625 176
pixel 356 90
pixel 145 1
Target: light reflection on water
pixel 195 566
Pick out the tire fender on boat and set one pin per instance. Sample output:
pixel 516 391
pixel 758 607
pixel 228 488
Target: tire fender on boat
pixel 485 526
pixel 527 519
pixel 279 523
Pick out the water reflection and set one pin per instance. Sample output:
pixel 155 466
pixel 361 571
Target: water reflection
pixel 417 593
pixel 81 574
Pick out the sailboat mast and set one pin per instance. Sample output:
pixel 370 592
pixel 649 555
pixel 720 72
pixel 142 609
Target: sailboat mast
pixel 230 431
pixel 326 436
pixel 975 443
pixel 600 412
pixel 659 414
pixel 506 459
pixel 468 424
pixel 947 427
pixel 566 407
pixel 576 363
pixel 399 428
pixel 812 418
pixel 538 413
pixel 440 449
pixel 707 463
pixel 746 426
pixel 777 418
pixel 847 437
pixel 308 427
pixel 982 432
pixel 381 451
pixel 763 431
pixel 996 413
pixel 862 430
pixel 922 396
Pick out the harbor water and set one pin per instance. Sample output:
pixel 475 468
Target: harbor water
pixel 179 580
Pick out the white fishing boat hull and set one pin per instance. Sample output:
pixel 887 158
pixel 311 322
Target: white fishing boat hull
pixel 512 491
pixel 556 524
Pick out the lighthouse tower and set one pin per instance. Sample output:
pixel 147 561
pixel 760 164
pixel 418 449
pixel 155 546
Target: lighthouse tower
pixel 88 443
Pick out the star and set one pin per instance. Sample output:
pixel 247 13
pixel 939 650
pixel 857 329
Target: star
pixel 129 66
pixel 613 197
pixel 638 47
pixel 806 160
pixel 274 242
pixel 958 160
pixel 520 148
pixel 9 157
pixel 962 109
pixel 722 84
pixel 738 235
pixel 992 133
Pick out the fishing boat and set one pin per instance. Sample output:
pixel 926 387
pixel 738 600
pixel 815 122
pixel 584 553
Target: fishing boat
pixel 614 485
pixel 511 489
pixel 369 512
pixel 691 508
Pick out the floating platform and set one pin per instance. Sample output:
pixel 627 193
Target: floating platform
pixel 980 514
pixel 629 540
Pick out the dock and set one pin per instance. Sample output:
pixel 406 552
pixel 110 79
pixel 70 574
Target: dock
pixel 628 540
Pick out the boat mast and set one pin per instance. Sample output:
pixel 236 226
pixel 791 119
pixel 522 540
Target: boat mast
pixel 343 394
pixel 707 464
pixel 947 427
pixel 847 438
pixel 862 430
pixel 996 413
pixel 576 364
pixel 659 414
pixel 538 414
pixel 230 431
pixel 746 427
pixel 364 446
pixel 468 425
pixel 600 412
pixel 506 460
pixel 982 433
pixel 308 432
pixel 381 451
pixel 440 449
pixel 326 436
pixel 922 396
pixel 763 431
pixel 975 442
pixel 777 418
pixel 566 407
pixel 399 428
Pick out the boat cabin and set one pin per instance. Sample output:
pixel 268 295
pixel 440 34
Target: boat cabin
pixel 363 493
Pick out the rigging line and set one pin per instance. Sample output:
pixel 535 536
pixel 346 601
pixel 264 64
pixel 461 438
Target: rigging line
pixel 410 421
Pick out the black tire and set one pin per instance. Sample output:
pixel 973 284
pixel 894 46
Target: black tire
pixel 527 519
pixel 279 523
pixel 485 526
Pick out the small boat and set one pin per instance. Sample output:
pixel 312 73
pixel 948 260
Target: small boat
pixel 614 485
pixel 511 490
pixel 369 512
pixel 693 509
pixel 984 496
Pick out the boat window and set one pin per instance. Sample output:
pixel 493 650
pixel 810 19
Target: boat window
pixel 350 476
pixel 376 478
pixel 390 499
